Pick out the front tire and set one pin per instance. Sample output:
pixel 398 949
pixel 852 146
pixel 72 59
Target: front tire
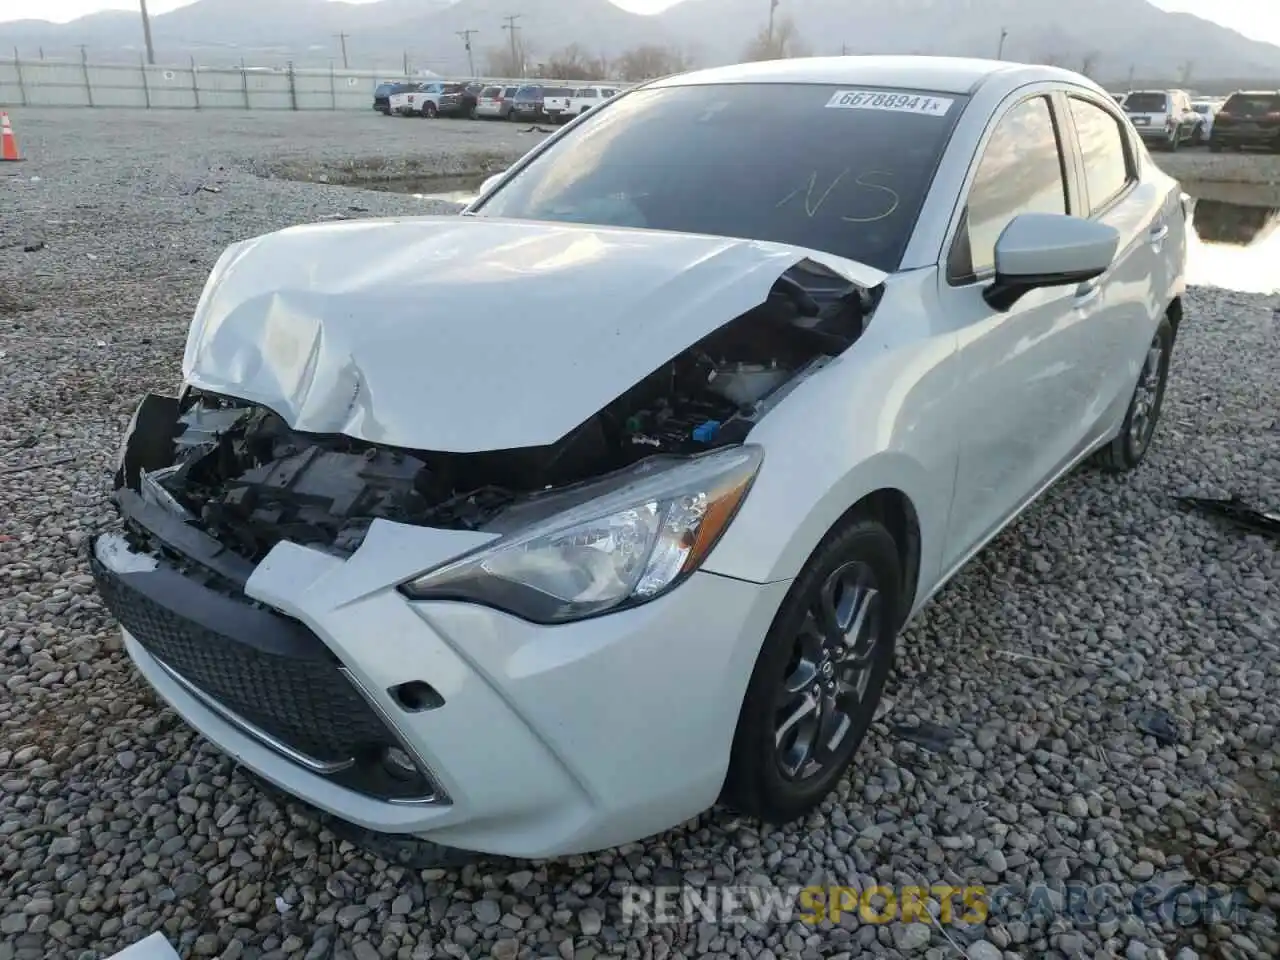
pixel 1130 446
pixel 430 111
pixel 819 676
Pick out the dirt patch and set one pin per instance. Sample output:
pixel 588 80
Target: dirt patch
pixel 396 174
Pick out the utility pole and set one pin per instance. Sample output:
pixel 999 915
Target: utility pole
pixel 511 28
pixel 1131 69
pixel 146 33
pixel 406 63
pixel 773 5
pixel 844 49
pixel 466 39
pixel 342 39
pixel 1000 50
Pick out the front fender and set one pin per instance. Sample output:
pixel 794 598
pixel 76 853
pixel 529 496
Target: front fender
pixel 876 418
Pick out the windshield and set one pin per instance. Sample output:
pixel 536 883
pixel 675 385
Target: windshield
pixel 840 171
pixel 1146 103
pixel 1252 104
pixel 1200 107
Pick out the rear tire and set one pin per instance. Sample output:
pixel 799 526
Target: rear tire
pixel 819 675
pixel 430 111
pixel 1130 446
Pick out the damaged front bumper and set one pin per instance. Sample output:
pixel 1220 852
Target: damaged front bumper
pixel 445 720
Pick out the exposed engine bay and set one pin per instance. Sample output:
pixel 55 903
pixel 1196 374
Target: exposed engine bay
pixel 239 472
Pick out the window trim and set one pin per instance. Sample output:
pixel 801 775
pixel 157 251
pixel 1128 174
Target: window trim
pixel 960 222
pixel 1131 169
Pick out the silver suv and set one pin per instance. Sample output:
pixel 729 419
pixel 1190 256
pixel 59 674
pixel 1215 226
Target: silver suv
pixel 1164 118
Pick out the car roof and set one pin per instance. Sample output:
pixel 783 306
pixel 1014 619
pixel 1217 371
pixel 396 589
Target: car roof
pixel 958 75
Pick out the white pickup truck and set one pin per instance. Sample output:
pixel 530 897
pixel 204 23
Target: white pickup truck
pixel 560 109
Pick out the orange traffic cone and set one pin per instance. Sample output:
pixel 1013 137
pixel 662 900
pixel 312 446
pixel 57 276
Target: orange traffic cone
pixel 8 142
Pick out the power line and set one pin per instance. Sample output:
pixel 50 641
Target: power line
pixel 342 39
pixel 511 28
pixel 146 33
pixel 466 39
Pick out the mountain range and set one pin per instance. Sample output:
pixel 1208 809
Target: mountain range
pixel 1112 38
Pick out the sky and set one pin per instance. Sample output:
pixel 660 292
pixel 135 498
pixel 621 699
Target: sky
pixel 1259 19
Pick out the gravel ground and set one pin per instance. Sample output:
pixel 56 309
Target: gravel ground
pixel 1034 664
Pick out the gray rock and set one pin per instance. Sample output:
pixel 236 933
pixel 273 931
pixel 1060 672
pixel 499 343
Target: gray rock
pixel 590 921
pixel 487 912
pixel 910 937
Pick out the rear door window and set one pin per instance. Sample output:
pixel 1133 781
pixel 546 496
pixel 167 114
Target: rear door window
pixel 1102 145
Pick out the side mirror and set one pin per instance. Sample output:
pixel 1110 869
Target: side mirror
pixel 490 183
pixel 1048 250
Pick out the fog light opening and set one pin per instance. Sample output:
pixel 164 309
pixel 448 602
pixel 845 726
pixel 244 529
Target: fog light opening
pixel 397 762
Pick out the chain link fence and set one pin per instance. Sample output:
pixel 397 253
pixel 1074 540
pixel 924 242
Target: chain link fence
pixel 62 83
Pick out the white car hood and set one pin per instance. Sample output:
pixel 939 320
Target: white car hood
pixel 463 334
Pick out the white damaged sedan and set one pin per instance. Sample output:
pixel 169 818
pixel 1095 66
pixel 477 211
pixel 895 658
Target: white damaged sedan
pixel 540 529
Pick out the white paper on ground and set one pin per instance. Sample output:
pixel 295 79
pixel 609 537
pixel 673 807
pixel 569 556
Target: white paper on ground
pixel 154 947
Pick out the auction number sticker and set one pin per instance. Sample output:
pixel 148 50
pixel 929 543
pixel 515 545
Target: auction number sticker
pixel 896 102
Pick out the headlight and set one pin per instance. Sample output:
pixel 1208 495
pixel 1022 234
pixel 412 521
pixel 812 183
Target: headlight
pixel 617 550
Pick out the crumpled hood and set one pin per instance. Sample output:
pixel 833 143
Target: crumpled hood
pixel 462 334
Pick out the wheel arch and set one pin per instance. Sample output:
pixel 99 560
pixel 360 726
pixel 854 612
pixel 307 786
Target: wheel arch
pixel 895 510
pixel 884 489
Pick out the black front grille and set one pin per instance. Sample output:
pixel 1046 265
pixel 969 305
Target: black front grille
pixel 267 669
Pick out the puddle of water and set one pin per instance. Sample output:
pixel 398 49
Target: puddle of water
pixel 1235 236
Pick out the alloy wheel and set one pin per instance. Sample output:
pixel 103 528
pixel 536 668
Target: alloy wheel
pixel 830 669
pixel 1146 396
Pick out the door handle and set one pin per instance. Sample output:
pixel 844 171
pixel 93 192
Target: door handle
pixel 1159 232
